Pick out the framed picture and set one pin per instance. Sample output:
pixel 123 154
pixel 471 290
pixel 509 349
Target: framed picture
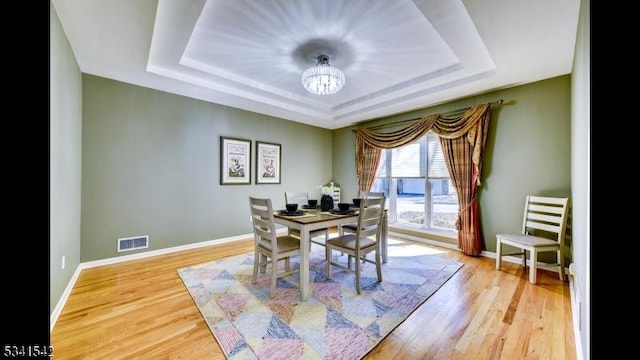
pixel 235 161
pixel 267 163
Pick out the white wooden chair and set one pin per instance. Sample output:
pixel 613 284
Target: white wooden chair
pixel 352 227
pixel 270 248
pixel 301 198
pixel 366 239
pixel 543 229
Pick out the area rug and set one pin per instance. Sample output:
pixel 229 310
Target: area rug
pixel 334 323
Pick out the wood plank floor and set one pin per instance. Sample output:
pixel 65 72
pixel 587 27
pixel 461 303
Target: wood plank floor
pixel 141 310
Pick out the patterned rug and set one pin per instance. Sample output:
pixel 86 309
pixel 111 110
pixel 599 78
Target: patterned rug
pixel 334 323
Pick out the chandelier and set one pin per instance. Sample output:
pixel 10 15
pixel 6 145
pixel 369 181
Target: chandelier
pixel 323 79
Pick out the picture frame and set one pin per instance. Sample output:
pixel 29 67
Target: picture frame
pixel 235 161
pixel 268 162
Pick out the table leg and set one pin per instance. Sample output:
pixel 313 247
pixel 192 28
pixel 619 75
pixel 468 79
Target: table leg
pixel 304 263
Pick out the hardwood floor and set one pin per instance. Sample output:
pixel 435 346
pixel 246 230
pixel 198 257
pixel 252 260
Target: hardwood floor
pixel 141 310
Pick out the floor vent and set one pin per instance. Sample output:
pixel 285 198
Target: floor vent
pixel 133 243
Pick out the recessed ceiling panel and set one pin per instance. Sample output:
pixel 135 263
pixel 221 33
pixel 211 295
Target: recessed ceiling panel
pixel 258 50
pixel 270 43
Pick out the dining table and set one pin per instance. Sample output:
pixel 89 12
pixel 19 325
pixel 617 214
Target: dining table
pixel 312 219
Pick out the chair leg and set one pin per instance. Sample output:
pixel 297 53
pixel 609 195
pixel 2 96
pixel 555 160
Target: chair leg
pixel 328 257
pixel 533 259
pixel 256 265
pixel 498 254
pixel 561 265
pixel 379 266
pixel 274 278
pixel 358 288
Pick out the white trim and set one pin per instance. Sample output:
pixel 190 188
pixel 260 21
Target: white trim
pixel 63 299
pixel 423 240
pixel 146 254
pixel 438 233
pixel 114 260
pixel 575 306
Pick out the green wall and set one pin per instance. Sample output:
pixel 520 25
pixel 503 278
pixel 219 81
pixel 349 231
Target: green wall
pixel 151 160
pixel 65 159
pixel 527 151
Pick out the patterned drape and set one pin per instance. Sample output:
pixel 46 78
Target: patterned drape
pixel 462 137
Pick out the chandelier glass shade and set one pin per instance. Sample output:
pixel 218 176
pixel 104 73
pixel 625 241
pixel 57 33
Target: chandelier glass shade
pixel 323 79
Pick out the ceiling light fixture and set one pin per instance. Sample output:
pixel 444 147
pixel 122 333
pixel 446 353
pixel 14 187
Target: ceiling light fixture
pixel 323 79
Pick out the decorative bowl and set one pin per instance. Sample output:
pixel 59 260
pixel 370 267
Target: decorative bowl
pixel 292 207
pixel 356 201
pixel 344 206
pixel 312 202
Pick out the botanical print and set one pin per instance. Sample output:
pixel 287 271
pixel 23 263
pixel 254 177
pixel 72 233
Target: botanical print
pixel 235 155
pixel 267 163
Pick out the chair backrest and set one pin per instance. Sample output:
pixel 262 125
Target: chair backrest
pixel 299 198
pixel 370 217
pixel 371 194
pixel 264 228
pixel 546 214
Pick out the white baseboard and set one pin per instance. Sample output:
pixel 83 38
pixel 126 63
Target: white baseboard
pixel 575 309
pixel 63 299
pixel 114 260
pixel 423 240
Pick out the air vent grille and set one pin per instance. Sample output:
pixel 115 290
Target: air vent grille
pixel 133 243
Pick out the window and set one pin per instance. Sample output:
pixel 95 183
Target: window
pixel 416 182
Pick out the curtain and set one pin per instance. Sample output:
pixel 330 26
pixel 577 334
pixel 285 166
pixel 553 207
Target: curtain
pixel 367 161
pixel 463 137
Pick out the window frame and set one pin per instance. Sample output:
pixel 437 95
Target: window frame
pixel 391 190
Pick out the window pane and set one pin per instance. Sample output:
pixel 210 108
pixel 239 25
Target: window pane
pixel 445 204
pixel 382 166
pixel 406 161
pixel 437 167
pixel 381 185
pixel 410 200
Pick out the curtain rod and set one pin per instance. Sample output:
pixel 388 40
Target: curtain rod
pixel 497 102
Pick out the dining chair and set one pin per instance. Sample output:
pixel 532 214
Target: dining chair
pixel 543 230
pixel 352 227
pixel 366 239
pixel 302 198
pixel 269 247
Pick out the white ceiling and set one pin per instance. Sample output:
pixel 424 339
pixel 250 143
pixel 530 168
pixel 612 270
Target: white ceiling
pixel 397 55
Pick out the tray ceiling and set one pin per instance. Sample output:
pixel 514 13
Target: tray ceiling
pixel 397 55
